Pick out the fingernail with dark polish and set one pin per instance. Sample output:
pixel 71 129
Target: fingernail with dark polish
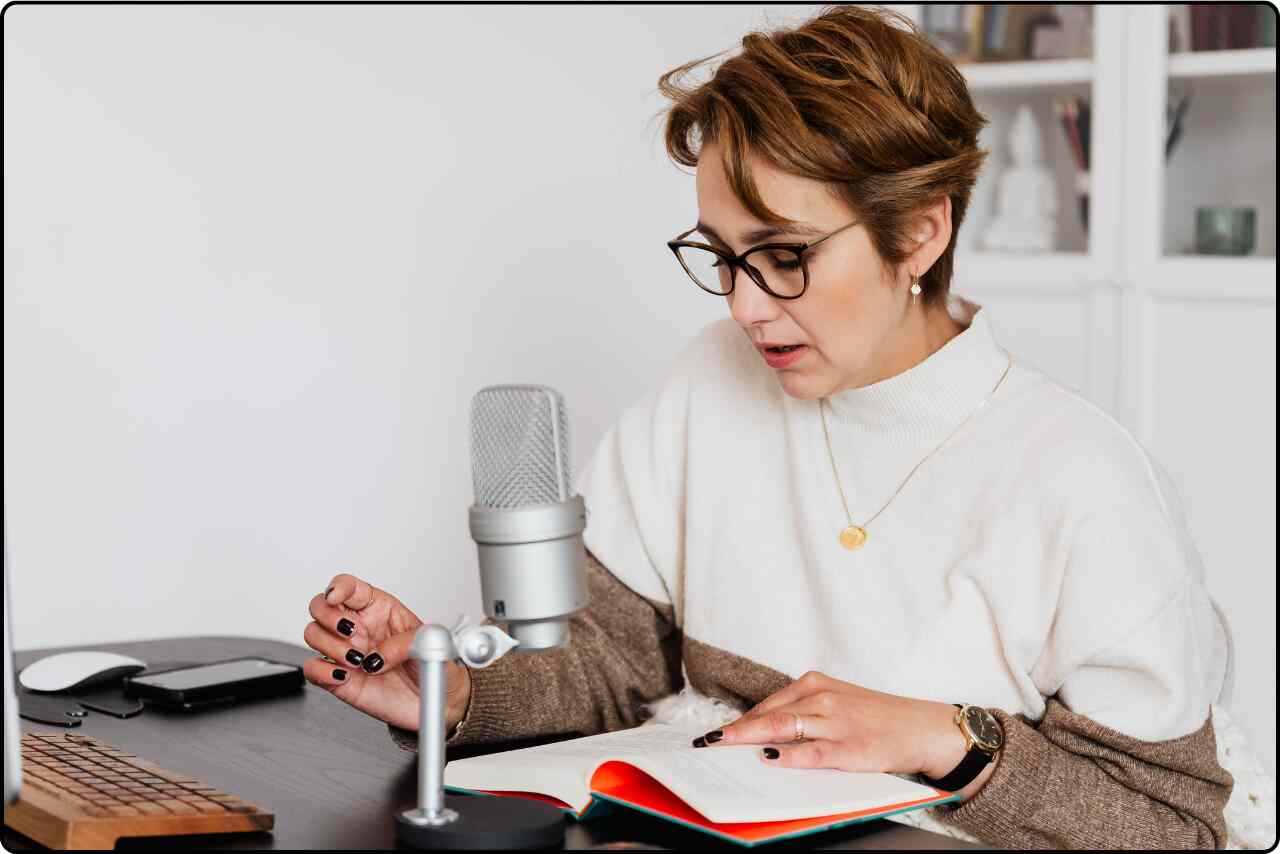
pixel 339 675
pixel 771 753
pixel 372 663
pixel 714 736
pixel 346 627
pixel 354 657
pixel 699 742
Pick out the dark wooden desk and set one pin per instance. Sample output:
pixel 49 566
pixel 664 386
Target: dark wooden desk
pixel 332 775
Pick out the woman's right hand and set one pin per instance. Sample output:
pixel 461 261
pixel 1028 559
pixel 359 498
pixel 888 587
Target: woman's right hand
pixel 367 633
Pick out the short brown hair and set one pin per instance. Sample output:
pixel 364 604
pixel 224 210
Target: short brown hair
pixel 856 97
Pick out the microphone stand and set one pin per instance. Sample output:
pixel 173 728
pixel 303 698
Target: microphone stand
pixel 443 821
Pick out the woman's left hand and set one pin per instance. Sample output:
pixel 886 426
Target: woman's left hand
pixel 850 728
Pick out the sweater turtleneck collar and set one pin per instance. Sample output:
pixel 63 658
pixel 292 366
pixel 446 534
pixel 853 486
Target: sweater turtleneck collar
pixel 935 395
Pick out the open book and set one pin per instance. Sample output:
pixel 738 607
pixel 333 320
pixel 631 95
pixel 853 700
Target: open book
pixel 724 790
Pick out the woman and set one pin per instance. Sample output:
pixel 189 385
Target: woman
pixel 897 511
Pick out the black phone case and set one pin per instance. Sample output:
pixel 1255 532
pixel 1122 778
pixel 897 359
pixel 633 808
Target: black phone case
pixel 191 699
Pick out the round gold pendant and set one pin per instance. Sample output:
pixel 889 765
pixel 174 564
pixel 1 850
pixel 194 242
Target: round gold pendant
pixel 853 536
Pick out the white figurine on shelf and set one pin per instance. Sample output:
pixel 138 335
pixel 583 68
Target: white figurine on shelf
pixel 1026 198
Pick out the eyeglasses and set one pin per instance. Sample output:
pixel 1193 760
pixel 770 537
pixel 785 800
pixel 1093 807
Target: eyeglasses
pixel 779 269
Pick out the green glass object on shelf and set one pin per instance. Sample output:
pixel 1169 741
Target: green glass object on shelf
pixel 1225 231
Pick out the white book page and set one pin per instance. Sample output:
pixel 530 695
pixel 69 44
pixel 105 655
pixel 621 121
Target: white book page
pixel 726 784
pixel 563 770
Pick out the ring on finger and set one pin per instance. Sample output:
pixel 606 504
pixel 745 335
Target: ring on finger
pixel 799 729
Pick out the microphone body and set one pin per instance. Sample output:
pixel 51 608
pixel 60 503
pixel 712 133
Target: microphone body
pixel 527 528
pixel 528 532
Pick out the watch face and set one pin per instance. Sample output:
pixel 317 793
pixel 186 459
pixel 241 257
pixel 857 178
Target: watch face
pixel 984 728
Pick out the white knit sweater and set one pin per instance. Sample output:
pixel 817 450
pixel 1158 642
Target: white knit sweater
pixel 1040 551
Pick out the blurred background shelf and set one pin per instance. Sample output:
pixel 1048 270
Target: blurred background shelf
pixel 1215 278
pixel 1223 63
pixel 1060 271
pixel 991 76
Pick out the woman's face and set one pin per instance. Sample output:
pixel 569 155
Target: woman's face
pixel 848 316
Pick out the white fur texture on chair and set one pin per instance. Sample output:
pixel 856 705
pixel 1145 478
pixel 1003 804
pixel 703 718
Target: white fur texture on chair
pixel 1250 813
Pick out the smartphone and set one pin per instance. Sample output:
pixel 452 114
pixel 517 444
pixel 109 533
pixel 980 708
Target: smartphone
pixel 190 688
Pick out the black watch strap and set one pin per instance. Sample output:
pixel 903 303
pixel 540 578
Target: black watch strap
pixel 964 773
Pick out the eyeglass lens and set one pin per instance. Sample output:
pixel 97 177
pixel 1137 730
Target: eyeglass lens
pixel 781 270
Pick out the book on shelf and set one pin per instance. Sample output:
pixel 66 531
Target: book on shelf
pixel 1076 116
pixel 1005 32
pixel 955 28
pixel 1179 27
pixel 944 24
pixel 995 22
pixel 975 15
pixel 1009 29
pixel 1227 26
pixel 725 791
pixel 1076 20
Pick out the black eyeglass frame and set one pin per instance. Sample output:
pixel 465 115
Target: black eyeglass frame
pixel 736 261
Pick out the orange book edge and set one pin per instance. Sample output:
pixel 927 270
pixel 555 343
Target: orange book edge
pixel 627 785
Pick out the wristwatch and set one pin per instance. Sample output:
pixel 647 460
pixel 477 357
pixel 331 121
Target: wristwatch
pixel 984 736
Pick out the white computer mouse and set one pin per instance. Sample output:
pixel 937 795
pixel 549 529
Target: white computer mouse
pixel 68 670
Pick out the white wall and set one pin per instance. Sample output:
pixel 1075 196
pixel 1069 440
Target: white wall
pixel 258 259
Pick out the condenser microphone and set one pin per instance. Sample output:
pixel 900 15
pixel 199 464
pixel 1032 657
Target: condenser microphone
pixel 527 527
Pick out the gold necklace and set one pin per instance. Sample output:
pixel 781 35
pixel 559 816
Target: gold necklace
pixel 855 535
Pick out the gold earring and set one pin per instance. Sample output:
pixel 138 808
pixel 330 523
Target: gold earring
pixel 915 286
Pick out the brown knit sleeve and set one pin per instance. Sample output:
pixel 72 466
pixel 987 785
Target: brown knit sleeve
pixel 1070 782
pixel 623 651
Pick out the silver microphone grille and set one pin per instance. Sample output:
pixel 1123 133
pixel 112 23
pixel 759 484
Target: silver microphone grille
pixel 519 446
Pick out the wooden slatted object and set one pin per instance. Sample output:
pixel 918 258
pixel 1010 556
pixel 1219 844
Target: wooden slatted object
pixel 82 793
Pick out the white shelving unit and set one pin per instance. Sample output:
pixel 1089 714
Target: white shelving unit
pixel 1178 347
pixel 997 76
pixel 1223 63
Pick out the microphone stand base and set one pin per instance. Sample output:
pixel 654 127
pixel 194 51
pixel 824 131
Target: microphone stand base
pixel 492 822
